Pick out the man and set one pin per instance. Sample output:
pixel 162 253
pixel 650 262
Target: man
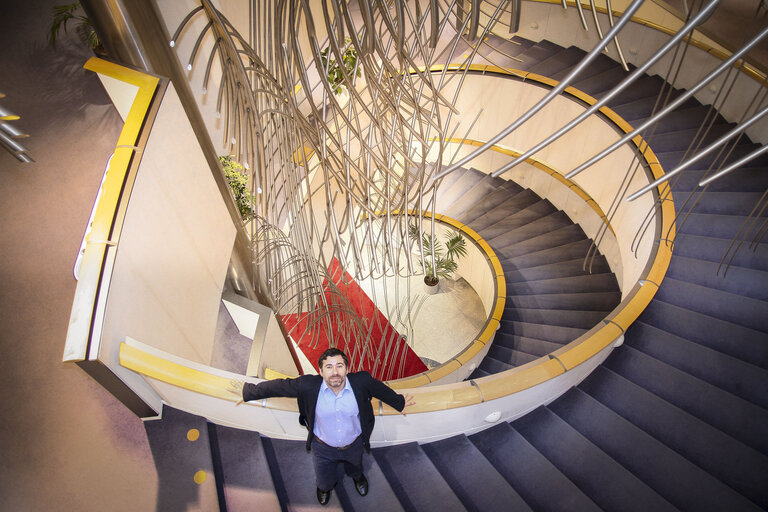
pixel 335 406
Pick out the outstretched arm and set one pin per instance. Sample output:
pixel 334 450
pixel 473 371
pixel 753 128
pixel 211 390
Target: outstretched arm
pixel 247 391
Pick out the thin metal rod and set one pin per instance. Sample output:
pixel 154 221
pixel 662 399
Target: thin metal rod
pixel 734 166
pixel 669 108
pixel 613 93
pixel 553 93
pixel 701 154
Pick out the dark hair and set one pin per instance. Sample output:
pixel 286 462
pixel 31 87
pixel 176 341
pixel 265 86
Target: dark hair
pixel 331 352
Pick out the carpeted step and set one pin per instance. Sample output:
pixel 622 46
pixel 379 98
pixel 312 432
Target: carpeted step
pixel 477 374
pixel 591 301
pixel 685 118
pixel 718 203
pixel 415 480
pixel 553 333
pixel 472 477
pixel 739 280
pixel 535 228
pixel 714 249
pixel 597 67
pixel 447 195
pixel 730 307
pixel 738 377
pixel 745 179
pixel 537 53
pixel 510 356
pixel 543 487
pixel 530 346
pixel 681 139
pixel 493 366
pixel 676 479
pixel 574 267
pixel 643 88
pixel 512 46
pixel 449 179
pixel 563 317
pixel 606 482
pixel 670 159
pixel 729 338
pixel 243 473
pixel 717 226
pixel 473 196
pixel 725 458
pixel 381 495
pixel 181 451
pixel 599 84
pixel 491 201
pixel 565 252
pixel 557 238
pixel 292 472
pixel 575 284
pixel 524 217
pixel 729 413
pixel 562 60
pixel 512 205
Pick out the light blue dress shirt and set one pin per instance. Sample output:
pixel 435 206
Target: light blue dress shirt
pixel 337 418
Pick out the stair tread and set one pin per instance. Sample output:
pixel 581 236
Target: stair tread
pixel 722 305
pixel 553 333
pixel 531 346
pixel 556 238
pixel 567 268
pixel 733 375
pixel 747 282
pixel 606 482
pixel 415 479
pixel 711 249
pixel 678 480
pixel 510 356
pixel 543 487
pixel 725 458
pixel 590 301
pixel 491 201
pixel 246 480
pixel 726 337
pixel 472 477
pixel 719 408
pixel 573 284
pixel 563 317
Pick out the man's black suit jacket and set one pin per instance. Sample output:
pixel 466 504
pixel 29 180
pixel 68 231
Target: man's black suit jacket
pixel 307 388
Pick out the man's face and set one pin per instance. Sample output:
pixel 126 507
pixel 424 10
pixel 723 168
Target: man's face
pixel 334 372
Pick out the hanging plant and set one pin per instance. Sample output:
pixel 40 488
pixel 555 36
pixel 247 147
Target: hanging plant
pixel 237 177
pixel 62 15
pixel 333 68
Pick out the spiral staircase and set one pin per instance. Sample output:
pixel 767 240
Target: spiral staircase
pixel 676 418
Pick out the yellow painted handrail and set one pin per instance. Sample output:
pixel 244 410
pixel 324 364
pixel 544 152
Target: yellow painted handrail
pixel 106 209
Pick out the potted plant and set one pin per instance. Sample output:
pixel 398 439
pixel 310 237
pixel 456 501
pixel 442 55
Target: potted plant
pixel 333 68
pixel 62 15
pixel 444 256
pixel 237 177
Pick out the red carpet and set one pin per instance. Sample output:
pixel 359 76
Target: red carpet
pixel 386 356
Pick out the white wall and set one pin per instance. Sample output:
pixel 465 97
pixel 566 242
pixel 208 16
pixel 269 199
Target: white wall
pixel 174 248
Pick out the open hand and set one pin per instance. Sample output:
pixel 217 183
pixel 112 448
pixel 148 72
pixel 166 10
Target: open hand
pixel 236 388
pixel 408 401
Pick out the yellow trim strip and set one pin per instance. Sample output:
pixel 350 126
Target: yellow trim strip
pixel 112 188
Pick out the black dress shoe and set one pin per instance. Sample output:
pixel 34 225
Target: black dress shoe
pixel 324 496
pixel 361 484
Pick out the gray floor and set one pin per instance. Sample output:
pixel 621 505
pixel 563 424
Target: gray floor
pixel 65 443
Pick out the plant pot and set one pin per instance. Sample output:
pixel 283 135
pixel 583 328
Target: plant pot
pixel 431 285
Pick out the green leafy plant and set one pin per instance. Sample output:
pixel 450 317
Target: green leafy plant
pixel 63 14
pixel 444 256
pixel 349 60
pixel 237 177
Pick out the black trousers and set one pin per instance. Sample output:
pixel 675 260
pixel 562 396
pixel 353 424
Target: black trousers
pixel 327 458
